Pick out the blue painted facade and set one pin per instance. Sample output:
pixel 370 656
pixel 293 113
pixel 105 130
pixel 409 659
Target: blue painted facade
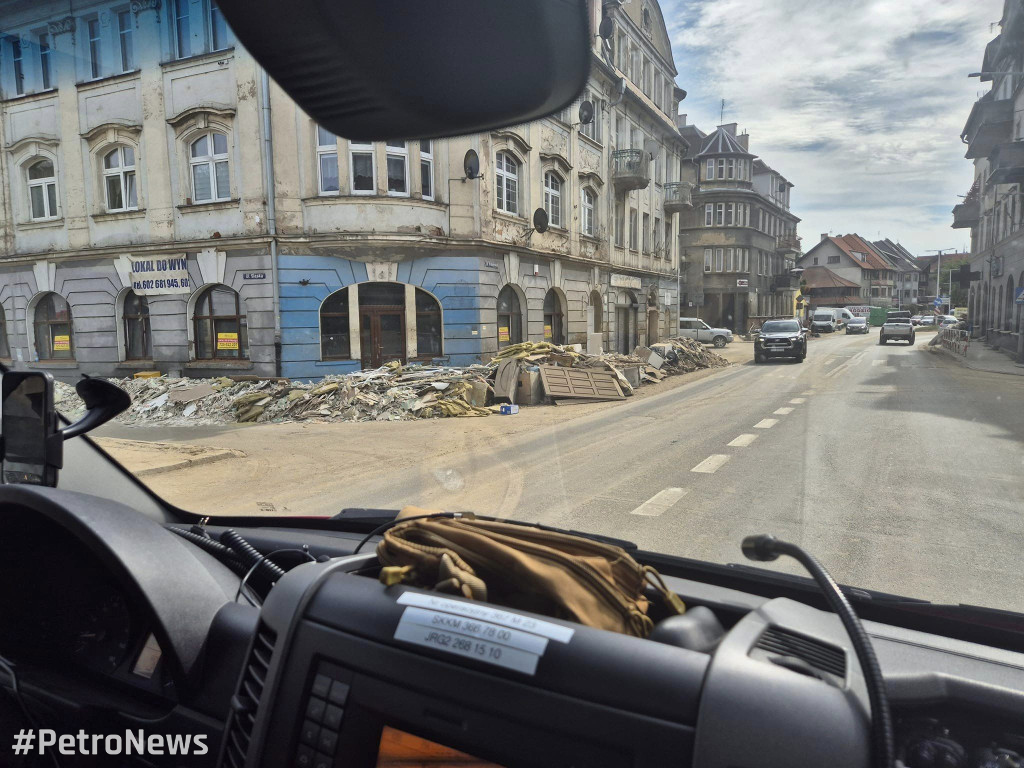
pixel 454 280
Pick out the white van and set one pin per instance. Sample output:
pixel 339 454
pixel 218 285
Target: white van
pixel 825 320
pixel 843 315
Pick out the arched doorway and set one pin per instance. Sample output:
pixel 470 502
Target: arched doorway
pixel 510 317
pixel 53 328
pixel 220 330
pixel 626 317
pixel 381 323
pixel 595 312
pixel 1008 305
pixel 652 316
pixel 138 338
pixel 554 317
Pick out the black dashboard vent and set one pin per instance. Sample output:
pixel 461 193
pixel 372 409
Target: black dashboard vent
pixel 823 657
pixel 247 699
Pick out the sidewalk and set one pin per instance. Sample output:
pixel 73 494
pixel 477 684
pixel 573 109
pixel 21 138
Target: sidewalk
pixel 982 358
pixel 149 458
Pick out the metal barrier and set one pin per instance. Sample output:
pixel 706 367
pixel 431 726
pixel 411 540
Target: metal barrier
pixel 954 340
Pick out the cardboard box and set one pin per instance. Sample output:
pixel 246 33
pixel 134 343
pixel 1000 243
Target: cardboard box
pixel 529 390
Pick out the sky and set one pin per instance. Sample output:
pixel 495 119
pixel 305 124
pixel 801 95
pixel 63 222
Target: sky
pixel 859 104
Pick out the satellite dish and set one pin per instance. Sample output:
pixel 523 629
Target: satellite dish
pixel 651 148
pixel 471 164
pixel 540 220
pixel 586 112
pixel 606 28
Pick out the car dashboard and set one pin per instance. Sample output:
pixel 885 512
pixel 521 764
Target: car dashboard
pixel 337 669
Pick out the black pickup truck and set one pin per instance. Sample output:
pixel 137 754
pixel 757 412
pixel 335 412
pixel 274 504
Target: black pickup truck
pixel 781 338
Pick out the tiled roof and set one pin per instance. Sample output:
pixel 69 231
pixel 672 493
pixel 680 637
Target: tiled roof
pixel 896 253
pixel 823 277
pixel 853 243
pixel 721 142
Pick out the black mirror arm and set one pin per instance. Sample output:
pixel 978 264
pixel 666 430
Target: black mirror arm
pixel 103 401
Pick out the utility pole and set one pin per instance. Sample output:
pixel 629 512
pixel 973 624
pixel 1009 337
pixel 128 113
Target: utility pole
pixel 938 275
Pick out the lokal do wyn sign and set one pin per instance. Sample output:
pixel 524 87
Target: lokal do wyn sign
pixel 156 276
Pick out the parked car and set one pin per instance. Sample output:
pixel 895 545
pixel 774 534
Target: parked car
pixel 948 321
pixel 915 320
pixel 857 325
pixel 897 328
pixel 695 328
pixel 927 320
pixel 825 321
pixel 781 338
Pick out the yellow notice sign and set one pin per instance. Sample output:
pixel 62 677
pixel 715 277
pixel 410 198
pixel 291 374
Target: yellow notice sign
pixel 61 343
pixel 227 341
pixel 503 334
pixel 547 331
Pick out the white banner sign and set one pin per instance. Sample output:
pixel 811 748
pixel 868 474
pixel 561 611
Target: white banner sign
pixel 160 275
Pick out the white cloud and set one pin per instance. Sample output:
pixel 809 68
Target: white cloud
pixel 860 105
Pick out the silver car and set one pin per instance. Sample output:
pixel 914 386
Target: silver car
pixel 695 328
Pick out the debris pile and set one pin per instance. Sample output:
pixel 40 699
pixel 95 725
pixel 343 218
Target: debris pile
pixel 392 392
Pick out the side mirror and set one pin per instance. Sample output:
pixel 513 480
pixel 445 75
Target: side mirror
pixel 103 401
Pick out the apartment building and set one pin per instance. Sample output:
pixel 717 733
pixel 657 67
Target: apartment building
pixel 991 209
pixel 139 146
pixel 857 262
pixel 739 240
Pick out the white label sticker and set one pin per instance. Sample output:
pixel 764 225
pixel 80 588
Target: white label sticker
pixel 466 646
pixel 489 613
pixel 481 630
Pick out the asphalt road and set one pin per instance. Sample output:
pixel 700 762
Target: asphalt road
pixel 897 467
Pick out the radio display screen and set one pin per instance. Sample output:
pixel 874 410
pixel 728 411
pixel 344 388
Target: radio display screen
pixel 399 749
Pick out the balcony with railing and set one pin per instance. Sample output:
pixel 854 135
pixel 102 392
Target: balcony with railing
pixel 631 169
pixel 967 214
pixel 990 123
pixel 678 196
pixel 788 244
pixel 1006 163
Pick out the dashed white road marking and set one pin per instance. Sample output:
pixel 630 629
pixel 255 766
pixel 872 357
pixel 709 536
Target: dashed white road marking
pixel 743 441
pixel 798 400
pixel 660 502
pixel 808 392
pixel 876 363
pixel 782 411
pixel 712 463
pixel 766 423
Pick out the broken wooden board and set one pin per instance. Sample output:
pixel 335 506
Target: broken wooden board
pixel 579 401
pixel 506 379
pixel 579 382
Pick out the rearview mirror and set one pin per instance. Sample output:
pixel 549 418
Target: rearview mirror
pixel 32 447
pixel 419 69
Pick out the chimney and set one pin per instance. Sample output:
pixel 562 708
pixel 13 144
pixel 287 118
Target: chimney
pixel 744 140
pixel 729 128
pixel 824 236
pixel 681 121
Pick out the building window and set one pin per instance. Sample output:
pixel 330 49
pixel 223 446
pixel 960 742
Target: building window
pixel 657 236
pixel 729 211
pixel 124 36
pixel 620 223
pixel 426 169
pixel 647 233
pixel 220 37
pixel 398 168
pixel 326 161
pixel 138 342
pixel 53 329
pixel 719 258
pixel 553 198
pixel 833 259
pixel 506 170
pixel 19 66
pixel 510 318
pixel 721 167
pixel 42 190
pixel 719 214
pixel 119 179
pixel 728 259
pixel 709 214
pixel 45 53
pixel 428 325
pixel 709 170
pixel 95 65
pixel 592 130
pixel 220 328
pixel 335 342
pixel 634 228
pixel 209 166
pixel 708 255
pixel 587 212
pixel 361 167
pixel 554 328
pixel 182 29
pixel 730 172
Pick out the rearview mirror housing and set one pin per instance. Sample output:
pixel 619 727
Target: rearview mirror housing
pixel 419 69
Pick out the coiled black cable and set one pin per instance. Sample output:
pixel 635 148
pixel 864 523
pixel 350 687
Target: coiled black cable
pixel 225 554
pixel 250 555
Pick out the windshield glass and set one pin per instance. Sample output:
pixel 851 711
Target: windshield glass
pixel 781 326
pixel 309 322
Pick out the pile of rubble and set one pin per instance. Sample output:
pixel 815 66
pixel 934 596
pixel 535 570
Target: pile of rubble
pixel 390 393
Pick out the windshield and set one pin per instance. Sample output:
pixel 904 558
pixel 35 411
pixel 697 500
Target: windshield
pixel 857 321
pixel 309 322
pixel 781 326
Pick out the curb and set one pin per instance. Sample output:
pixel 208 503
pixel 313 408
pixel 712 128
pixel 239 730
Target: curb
pixel 974 367
pixel 186 463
